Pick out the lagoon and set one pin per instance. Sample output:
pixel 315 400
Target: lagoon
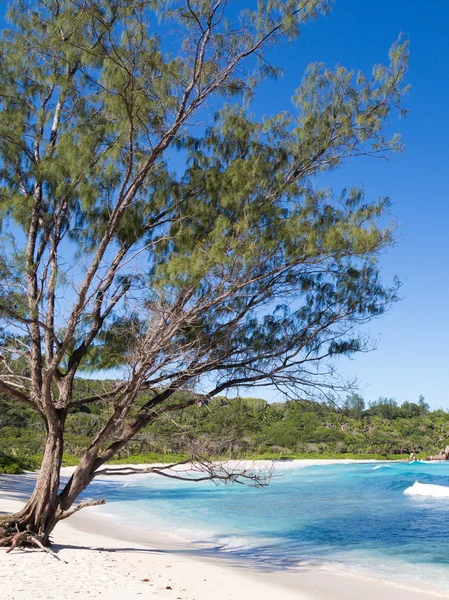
pixel 387 520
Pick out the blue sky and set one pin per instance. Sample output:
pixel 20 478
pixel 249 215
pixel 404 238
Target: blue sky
pixel 412 353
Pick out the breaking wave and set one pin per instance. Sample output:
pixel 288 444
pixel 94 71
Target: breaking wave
pixel 427 489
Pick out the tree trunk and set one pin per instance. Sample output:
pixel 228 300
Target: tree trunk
pixel 40 514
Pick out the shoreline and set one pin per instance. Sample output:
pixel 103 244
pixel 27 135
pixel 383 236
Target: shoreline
pixel 106 559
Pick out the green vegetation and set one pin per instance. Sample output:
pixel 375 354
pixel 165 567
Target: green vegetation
pixel 239 428
pixel 15 465
pixel 153 223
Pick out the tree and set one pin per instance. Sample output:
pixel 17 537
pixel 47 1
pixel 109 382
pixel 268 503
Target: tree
pixel 239 271
pixel 410 409
pixel 386 408
pixel 354 405
pixel 423 405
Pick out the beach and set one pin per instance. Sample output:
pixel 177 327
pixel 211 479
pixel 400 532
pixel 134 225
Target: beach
pixel 103 559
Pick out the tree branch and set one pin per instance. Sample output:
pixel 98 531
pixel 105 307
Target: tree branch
pixel 199 469
pixel 77 507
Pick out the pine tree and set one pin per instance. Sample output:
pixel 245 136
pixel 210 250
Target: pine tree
pixel 238 271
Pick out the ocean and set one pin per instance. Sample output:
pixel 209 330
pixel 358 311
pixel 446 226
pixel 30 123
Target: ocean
pixel 386 520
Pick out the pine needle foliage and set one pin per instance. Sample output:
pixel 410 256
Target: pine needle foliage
pixel 237 269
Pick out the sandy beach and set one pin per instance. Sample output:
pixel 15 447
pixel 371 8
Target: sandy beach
pixel 100 559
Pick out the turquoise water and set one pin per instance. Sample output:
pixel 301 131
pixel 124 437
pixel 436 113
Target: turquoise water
pixel 371 518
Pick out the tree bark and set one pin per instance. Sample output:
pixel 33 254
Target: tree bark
pixel 40 514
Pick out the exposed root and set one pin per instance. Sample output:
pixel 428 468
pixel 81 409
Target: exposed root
pixel 8 529
pixel 15 531
pixel 27 538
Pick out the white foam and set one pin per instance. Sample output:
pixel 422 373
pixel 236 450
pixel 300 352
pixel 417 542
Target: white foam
pixel 427 489
pixel 382 467
pixel 235 543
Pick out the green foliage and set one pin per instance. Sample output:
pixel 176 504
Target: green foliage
pixel 239 268
pixel 329 455
pixel 88 93
pixel 354 405
pixel 241 427
pixel 13 465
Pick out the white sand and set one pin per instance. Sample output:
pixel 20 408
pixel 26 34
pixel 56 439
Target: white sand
pixel 104 560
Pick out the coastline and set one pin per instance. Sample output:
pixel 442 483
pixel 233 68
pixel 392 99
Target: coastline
pixel 109 560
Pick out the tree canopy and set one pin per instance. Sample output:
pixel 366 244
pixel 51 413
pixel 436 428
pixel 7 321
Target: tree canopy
pixel 237 269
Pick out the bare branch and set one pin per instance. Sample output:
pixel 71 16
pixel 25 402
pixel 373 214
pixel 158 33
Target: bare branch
pixel 77 507
pixel 199 469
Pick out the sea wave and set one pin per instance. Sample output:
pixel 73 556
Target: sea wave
pixel 427 489
pixel 382 467
pixel 236 543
